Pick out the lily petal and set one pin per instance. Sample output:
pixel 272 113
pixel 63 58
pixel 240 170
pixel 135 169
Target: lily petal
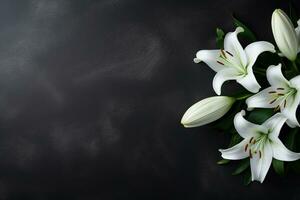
pixel 275 76
pixel 249 82
pixel 232 44
pixel 295 82
pixel 297 30
pixel 260 165
pixel 254 49
pixel 280 152
pixel 221 77
pixel 290 110
pixel 263 99
pixel 245 128
pixel 210 58
pixel 274 124
pixel 236 152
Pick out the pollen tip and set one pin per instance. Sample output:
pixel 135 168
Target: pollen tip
pixel 246 147
pixel 220 62
pixel 284 104
pixel 251 140
pixel 229 53
pixel 259 154
pixel 272 101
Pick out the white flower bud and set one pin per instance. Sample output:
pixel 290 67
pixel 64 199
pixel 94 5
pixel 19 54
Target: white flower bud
pixel 284 34
pixel 206 111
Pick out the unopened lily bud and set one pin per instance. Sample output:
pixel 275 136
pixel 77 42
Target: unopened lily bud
pixel 207 111
pixel 284 34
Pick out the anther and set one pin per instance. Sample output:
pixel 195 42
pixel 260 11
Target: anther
pixel 259 154
pixel 280 88
pixel 272 92
pixel 251 139
pixel 246 147
pixel 250 153
pixel 254 141
pixel 223 53
pixel 220 62
pixel 229 53
pixel 280 94
pixel 272 101
pixel 284 104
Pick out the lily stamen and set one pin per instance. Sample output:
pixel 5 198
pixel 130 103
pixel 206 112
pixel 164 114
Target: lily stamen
pixel 284 104
pixel 272 101
pixel 251 140
pixel 259 154
pixel 246 147
pixel 220 62
pixel 223 53
pixel 229 53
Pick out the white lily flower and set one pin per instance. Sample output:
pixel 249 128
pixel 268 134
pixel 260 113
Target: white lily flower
pixel 206 111
pixel 285 34
pixel 260 143
pixel 283 95
pixel 297 29
pixel 233 62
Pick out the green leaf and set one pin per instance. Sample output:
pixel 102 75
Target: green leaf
pixel 247 32
pixel 247 178
pixel 278 166
pixel 289 74
pixel 223 162
pixel 295 166
pixel 243 165
pixel 235 138
pixel 260 115
pixel 220 38
pixel 290 141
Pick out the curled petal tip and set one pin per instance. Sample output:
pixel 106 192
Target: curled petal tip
pixel 243 112
pixel 197 60
pixel 239 29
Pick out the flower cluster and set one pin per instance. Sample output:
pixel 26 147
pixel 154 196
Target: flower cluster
pixel 260 142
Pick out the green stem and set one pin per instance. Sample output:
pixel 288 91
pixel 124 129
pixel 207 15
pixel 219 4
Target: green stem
pixel 243 97
pixel 295 67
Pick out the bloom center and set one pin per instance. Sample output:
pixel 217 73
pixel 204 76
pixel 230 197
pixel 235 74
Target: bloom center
pixel 256 145
pixel 227 59
pixel 281 94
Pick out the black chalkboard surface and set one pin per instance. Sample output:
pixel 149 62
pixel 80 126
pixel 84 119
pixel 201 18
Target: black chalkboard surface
pixel 92 93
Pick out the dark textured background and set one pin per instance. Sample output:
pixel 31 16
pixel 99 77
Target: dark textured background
pixel 92 93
